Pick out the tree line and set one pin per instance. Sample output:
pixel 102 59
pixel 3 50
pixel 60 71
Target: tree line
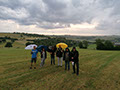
pixel 4 40
pixel 53 42
pixel 106 45
pixel 30 35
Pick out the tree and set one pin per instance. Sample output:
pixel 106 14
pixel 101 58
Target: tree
pixel 4 40
pixel 12 40
pixel 0 41
pixel 109 45
pixel 8 44
pixel 105 45
pixel 100 44
pixel 117 48
pixel 85 44
pixel 28 43
pixel 80 44
pixel 21 35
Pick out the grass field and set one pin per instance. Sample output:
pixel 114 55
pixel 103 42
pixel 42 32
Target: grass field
pixel 99 70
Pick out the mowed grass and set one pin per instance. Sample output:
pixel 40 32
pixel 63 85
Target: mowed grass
pixel 99 70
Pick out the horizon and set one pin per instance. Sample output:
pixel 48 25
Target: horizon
pixel 63 35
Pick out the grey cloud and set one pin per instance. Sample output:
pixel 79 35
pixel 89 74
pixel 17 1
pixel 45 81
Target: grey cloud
pixel 51 14
pixel 112 21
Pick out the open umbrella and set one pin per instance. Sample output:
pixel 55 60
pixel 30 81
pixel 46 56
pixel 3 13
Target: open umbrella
pixel 63 45
pixel 29 47
pixel 39 48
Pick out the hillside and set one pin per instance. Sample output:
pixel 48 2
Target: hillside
pixel 99 70
pixel 22 39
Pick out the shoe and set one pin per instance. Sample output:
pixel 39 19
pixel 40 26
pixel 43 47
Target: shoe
pixel 30 67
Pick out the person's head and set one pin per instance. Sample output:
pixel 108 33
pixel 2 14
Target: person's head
pixel 74 49
pixel 34 47
pixel 43 49
pixel 67 49
pixel 52 48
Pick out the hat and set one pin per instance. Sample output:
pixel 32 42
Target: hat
pixel 74 48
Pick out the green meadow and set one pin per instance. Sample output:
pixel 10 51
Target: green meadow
pixel 99 70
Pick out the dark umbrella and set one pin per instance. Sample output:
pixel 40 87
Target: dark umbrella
pixel 39 48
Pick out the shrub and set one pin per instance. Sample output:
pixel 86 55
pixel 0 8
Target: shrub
pixel 8 44
pixel 80 44
pixel 4 40
pixel 28 43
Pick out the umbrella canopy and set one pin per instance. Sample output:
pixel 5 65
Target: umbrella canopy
pixel 29 47
pixel 39 48
pixel 63 45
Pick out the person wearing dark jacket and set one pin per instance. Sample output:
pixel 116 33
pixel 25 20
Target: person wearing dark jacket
pixel 59 55
pixel 52 52
pixel 66 58
pixel 43 57
pixel 75 60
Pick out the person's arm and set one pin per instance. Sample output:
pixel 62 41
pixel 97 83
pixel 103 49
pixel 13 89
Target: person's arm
pixel 57 53
pixel 77 54
pixel 64 56
pixel 31 52
pixel 71 54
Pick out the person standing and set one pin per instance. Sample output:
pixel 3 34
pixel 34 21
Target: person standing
pixel 52 56
pixel 59 55
pixel 66 58
pixel 34 53
pixel 43 57
pixel 75 60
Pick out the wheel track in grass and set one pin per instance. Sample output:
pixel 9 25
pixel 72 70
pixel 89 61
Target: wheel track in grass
pixel 26 77
pixel 95 74
pixel 27 71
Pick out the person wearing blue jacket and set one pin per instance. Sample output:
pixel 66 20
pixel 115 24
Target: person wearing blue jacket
pixel 34 53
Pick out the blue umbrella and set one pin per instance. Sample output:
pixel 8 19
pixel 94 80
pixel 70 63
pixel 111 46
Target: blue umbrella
pixel 39 48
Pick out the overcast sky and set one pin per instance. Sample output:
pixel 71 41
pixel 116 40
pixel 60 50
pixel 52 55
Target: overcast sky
pixel 59 17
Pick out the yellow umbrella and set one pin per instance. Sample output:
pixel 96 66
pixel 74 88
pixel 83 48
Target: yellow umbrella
pixel 63 45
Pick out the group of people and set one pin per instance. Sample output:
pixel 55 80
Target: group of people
pixel 62 55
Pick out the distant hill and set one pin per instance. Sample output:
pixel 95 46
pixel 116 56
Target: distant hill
pixel 27 36
pixel 113 38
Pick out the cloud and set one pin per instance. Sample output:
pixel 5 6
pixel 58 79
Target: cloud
pixel 110 18
pixel 55 14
